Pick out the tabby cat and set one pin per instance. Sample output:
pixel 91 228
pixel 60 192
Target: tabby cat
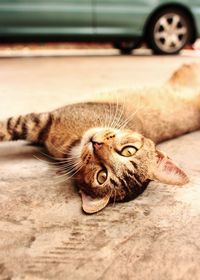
pixel 109 147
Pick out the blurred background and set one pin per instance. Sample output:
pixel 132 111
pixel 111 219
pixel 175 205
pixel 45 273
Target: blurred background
pixel 166 27
pixel 56 52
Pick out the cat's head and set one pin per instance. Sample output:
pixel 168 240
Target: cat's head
pixel 118 164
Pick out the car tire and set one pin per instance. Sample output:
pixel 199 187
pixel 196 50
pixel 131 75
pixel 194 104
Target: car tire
pixel 125 47
pixel 169 31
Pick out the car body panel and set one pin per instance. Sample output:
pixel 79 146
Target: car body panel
pixel 46 17
pixel 195 9
pixel 121 17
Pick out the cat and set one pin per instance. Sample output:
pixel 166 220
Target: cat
pixel 109 146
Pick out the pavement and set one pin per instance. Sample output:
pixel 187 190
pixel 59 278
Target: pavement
pixel 43 232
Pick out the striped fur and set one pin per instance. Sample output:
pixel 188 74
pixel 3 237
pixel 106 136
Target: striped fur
pixel 31 127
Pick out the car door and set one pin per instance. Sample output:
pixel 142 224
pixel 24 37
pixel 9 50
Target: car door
pixel 46 17
pixel 120 16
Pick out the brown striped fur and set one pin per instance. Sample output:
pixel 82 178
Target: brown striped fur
pixel 146 116
pixel 32 127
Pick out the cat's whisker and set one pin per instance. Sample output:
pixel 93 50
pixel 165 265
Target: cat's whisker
pixel 68 162
pixel 73 165
pixel 118 122
pixel 57 164
pixel 61 160
pixel 115 117
pixel 56 169
pixel 60 181
pixel 55 177
pixel 121 114
pixel 114 105
pixel 116 111
pixel 110 115
pixel 105 119
pixel 66 170
pixel 51 157
pixel 61 176
pixel 138 106
pixel 76 171
pixel 58 149
pixel 42 160
pixel 111 111
pixel 68 158
pixel 69 175
pixel 112 108
pixel 124 124
pixel 60 167
pixel 63 151
pixel 66 167
pixel 69 170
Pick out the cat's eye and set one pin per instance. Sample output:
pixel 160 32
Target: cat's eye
pixel 128 151
pixel 102 176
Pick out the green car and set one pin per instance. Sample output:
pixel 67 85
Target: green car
pixel 165 25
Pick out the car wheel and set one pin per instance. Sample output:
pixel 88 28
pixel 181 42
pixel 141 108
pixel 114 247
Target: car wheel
pixel 169 31
pixel 125 47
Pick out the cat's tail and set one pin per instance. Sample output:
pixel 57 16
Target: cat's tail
pixel 188 75
pixel 31 127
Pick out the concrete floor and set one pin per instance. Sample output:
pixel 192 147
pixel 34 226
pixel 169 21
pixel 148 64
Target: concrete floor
pixel 43 233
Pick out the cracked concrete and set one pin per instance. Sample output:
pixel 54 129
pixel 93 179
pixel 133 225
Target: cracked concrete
pixel 44 234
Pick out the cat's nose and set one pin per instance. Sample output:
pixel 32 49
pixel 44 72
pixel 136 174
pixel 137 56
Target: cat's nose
pixel 96 145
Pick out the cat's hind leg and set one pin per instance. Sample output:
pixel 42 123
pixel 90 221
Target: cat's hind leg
pixel 188 75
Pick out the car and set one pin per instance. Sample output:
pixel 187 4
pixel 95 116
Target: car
pixel 166 26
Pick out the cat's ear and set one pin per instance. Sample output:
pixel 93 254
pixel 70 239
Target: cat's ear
pixel 92 205
pixel 167 171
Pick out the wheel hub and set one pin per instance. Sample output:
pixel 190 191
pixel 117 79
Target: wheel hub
pixel 170 32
